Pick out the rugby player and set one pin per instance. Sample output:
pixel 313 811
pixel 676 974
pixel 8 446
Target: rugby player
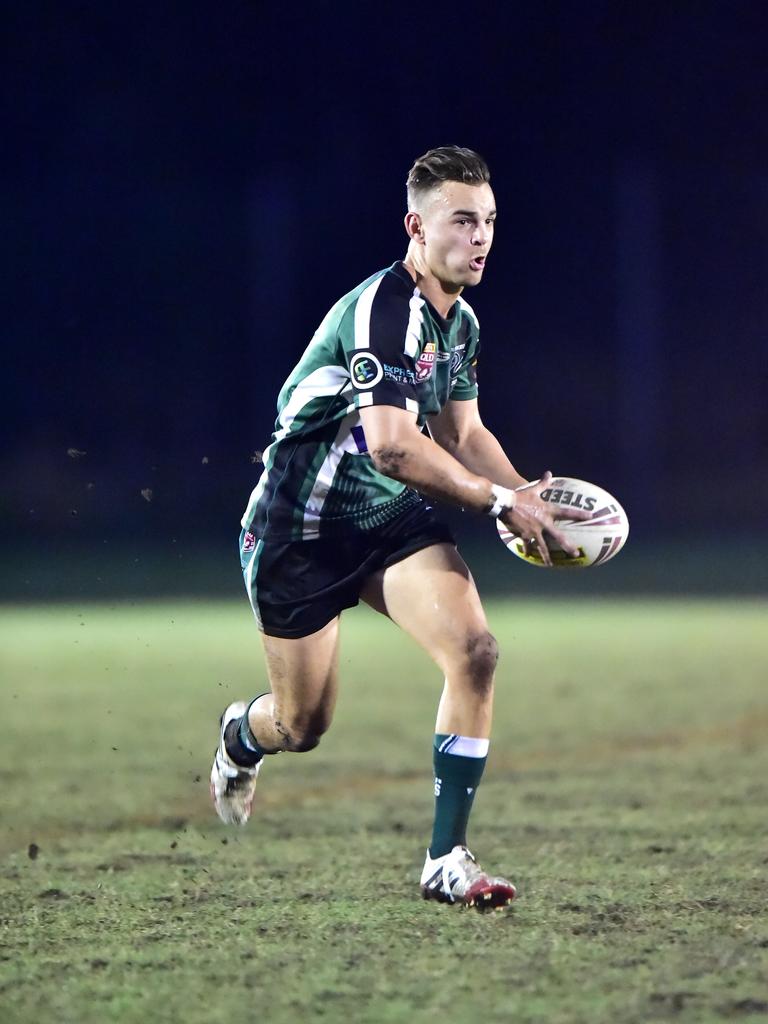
pixel 341 513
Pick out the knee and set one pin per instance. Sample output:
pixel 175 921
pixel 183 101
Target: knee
pixel 300 735
pixel 481 652
pixel 302 740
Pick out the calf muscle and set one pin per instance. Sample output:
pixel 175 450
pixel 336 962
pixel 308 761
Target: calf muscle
pixel 303 677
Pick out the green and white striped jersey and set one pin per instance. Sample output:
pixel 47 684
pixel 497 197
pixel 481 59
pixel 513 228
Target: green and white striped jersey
pixel 381 344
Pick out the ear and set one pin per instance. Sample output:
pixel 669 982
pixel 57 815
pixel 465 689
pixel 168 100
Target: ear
pixel 414 226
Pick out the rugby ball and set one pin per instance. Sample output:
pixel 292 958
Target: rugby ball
pixel 598 539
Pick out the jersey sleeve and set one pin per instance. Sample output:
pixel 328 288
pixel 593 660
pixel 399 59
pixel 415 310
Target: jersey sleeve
pixel 378 340
pixel 464 380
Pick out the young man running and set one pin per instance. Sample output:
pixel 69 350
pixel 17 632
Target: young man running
pixel 338 514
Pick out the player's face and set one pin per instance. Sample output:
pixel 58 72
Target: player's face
pixel 457 225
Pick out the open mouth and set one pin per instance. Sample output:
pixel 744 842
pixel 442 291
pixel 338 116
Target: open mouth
pixel 478 263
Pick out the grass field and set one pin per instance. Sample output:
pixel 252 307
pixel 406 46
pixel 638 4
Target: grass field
pixel 626 794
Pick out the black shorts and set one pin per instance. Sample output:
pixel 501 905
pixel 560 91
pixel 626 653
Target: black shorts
pixel 296 588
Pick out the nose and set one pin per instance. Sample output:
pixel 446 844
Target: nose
pixel 480 235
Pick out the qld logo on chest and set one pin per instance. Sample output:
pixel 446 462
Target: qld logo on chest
pixel 425 364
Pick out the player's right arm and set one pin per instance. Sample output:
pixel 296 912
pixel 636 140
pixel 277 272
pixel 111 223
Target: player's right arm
pixel 399 450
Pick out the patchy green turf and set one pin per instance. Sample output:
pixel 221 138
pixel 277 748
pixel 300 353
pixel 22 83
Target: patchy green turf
pixel 626 794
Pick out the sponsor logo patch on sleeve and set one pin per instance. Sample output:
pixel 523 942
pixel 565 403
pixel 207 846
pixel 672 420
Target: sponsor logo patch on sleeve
pixel 366 370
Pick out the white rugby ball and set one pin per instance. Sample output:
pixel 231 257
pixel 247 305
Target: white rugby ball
pixel 598 539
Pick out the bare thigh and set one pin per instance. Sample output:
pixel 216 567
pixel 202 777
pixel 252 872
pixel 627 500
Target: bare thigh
pixel 431 595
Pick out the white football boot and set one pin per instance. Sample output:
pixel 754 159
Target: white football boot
pixel 232 785
pixel 456 877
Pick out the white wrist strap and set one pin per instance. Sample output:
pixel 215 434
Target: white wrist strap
pixel 503 498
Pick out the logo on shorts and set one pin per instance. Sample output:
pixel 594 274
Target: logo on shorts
pixel 366 370
pixel 425 364
pixel 249 543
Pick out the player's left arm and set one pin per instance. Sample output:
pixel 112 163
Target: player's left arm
pixel 460 431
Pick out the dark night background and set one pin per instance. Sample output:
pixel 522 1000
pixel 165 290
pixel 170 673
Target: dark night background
pixel 187 189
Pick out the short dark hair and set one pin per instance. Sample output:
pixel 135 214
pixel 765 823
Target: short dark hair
pixel 446 163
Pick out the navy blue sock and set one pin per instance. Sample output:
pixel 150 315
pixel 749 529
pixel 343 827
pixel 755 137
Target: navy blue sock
pixel 240 743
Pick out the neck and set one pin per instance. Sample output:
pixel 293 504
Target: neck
pixel 442 296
